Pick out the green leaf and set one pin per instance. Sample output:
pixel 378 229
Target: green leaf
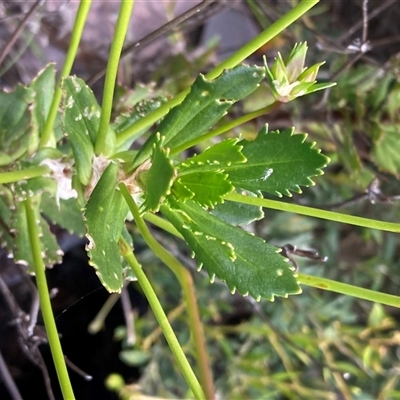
pixel 245 262
pixel 277 163
pixel 51 252
pixel 6 213
pixel 14 124
pixel 105 214
pixel 206 188
pixel 68 216
pixel 180 191
pixel 159 178
pixel 205 105
pixel 41 92
pixel 55 179
pixel 386 149
pixel 222 154
pixel 81 116
pixel 81 119
pixel 140 110
pixel 134 358
pixel 22 252
pixel 33 186
pixel 202 176
pixel 238 213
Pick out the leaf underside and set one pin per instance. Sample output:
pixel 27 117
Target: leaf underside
pixel 81 118
pixel 14 124
pixel 105 214
pixel 22 252
pixel 41 93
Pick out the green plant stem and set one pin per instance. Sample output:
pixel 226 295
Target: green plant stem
pixel 226 127
pixel 162 319
pixel 45 304
pixel 349 290
pixel 162 223
pixel 186 282
pixel 112 69
pixel 47 136
pixel 252 46
pixel 16 176
pixel 315 212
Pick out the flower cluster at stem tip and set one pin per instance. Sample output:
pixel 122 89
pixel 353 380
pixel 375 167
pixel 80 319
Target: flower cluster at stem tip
pixel 289 78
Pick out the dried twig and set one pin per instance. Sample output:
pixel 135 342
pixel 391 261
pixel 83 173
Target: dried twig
pixel 373 14
pixel 128 315
pixel 289 250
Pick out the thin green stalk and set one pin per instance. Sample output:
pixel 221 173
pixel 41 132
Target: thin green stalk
pixel 114 56
pixel 349 290
pixel 225 127
pixel 315 212
pixel 162 223
pixel 16 176
pixel 47 136
pixel 264 37
pixel 45 304
pixel 252 46
pixel 186 282
pixel 162 319
pixel 97 324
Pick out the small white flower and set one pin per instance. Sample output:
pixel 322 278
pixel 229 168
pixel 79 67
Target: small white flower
pixel 61 172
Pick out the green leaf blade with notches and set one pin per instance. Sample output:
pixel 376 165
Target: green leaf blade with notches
pixel 202 176
pixel 105 214
pixel 207 188
pixel 277 163
pixel 220 155
pixel 245 262
pixel 206 103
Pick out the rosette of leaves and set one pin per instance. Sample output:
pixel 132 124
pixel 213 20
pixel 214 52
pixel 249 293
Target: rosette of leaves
pixel 187 192
pixel 191 193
